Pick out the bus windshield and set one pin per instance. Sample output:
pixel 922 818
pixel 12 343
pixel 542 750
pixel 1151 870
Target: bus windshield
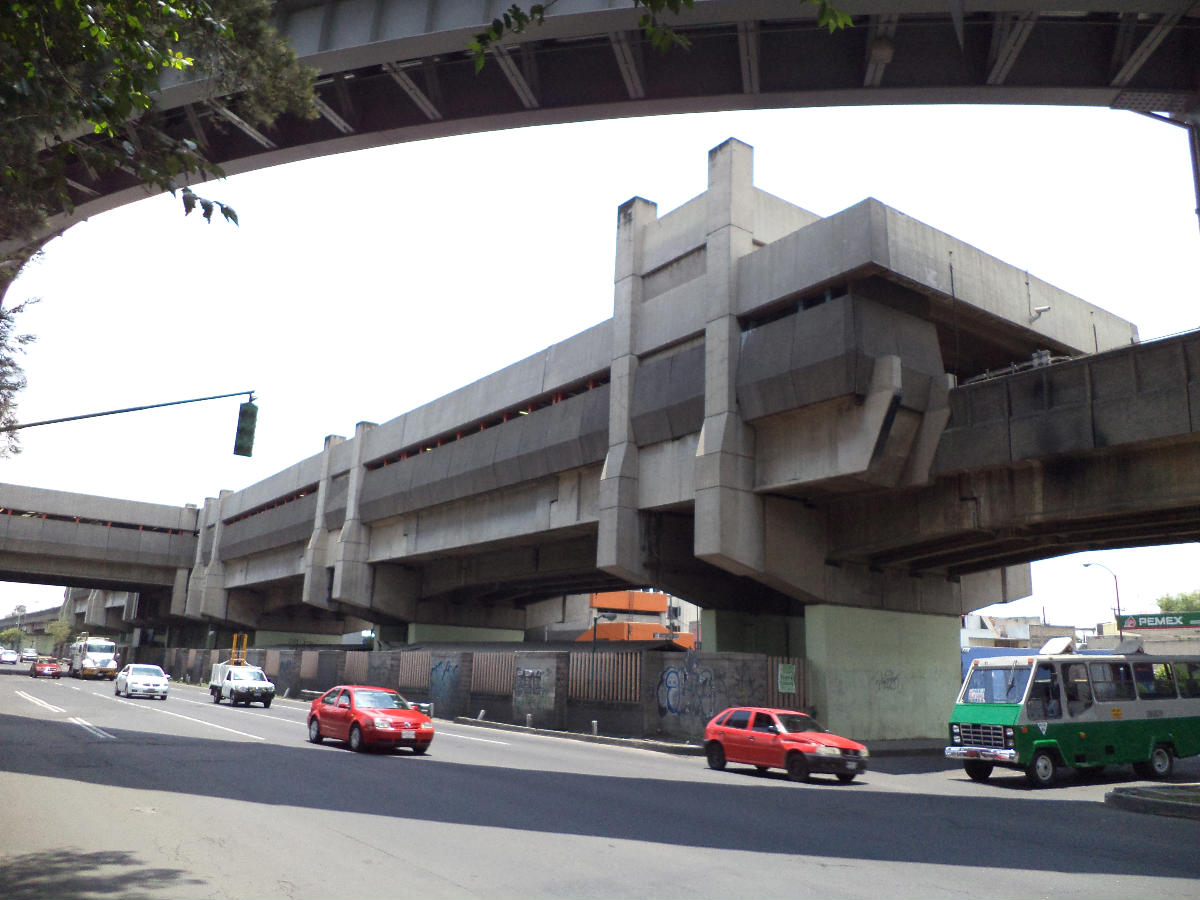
pixel 101 647
pixel 996 684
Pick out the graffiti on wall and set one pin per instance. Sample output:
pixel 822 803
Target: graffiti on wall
pixel 886 681
pixel 533 688
pixel 443 679
pixel 687 690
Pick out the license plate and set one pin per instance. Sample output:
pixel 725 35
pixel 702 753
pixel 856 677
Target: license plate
pixel 408 735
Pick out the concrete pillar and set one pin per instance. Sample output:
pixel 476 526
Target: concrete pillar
pixel 540 686
pixel 351 572
pixel 450 683
pixel 877 674
pixel 317 582
pixel 728 515
pixel 206 588
pixel 619 541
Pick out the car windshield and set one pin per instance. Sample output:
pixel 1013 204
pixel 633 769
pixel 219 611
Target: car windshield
pixel 380 700
pixel 251 675
pixel 146 670
pixel 793 723
pixel 996 684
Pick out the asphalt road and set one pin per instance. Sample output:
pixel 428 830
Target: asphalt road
pixel 111 797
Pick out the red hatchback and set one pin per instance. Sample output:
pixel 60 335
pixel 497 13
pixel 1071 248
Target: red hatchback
pixel 365 717
pixel 44 666
pixel 781 739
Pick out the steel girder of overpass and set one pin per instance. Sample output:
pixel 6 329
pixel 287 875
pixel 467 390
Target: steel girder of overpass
pixel 397 70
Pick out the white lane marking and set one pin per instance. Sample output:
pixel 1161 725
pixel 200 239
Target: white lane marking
pixel 463 737
pixel 88 726
pixel 42 703
pixel 167 712
pixel 246 712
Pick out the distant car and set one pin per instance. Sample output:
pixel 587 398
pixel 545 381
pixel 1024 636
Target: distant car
pixel 9 657
pixel 139 678
pixel 29 654
pixel 781 739
pixel 45 666
pixel 365 716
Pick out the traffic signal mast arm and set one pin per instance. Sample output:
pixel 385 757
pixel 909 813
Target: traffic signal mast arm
pixel 247 416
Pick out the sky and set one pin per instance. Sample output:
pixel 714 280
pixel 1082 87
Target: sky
pixel 362 285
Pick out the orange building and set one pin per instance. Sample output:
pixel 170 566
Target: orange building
pixel 638 603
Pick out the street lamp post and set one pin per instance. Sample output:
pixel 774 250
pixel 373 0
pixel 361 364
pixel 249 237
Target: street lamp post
pixel 608 617
pixel 20 611
pixel 1116 590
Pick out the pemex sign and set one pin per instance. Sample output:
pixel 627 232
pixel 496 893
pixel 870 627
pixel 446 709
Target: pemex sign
pixel 1163 620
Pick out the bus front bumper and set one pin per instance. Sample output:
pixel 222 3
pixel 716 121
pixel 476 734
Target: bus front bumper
pixel 991 754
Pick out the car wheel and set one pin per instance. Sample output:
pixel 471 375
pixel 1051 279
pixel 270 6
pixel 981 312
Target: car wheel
pixel 266 704
pixel 314 731
pixel 420 750
pixel 356 739
pixel 977 770
pixel 116 690
pixel 1041 770
pixel 716 756
pixel 797 767
pixel 845 777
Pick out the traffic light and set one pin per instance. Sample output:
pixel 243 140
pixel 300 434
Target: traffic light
pixel 243 442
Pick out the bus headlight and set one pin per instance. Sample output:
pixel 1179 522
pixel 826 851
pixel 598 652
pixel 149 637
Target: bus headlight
pixel 955 733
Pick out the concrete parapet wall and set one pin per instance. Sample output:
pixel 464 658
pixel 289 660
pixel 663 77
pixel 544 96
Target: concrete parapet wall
pixel 1142 393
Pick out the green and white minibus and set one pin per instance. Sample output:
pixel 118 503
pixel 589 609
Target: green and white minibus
pixel 1040 713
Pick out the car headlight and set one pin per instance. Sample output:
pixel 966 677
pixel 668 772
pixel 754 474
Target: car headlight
pixel 828 751
pixel 426 724
pixel 864 753
pixel 383 723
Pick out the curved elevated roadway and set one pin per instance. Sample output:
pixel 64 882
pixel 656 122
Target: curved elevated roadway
pixel 396 70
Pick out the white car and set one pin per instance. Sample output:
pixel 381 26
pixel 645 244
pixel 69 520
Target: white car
pixel 9 657
pixel 139 678
pixel 29 654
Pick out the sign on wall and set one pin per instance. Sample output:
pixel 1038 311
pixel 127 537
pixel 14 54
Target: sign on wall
pixel 786 678
pixel 1163 620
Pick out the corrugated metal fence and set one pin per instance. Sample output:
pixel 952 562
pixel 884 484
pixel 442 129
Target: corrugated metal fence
pixel 492 673
pixel 414 669
pixel 356 667
pixel 615 677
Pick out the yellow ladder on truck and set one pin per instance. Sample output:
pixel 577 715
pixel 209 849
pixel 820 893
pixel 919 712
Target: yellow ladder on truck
pixel 237 655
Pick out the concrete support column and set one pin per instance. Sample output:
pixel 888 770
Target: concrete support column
pixel 206 588
pixel 351 573
pixel 317 582
pixel 619 541
pixel 729 516
pixel 877 674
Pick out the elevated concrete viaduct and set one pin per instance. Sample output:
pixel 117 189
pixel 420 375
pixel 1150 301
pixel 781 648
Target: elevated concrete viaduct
pixel 769 426
pixel 397 70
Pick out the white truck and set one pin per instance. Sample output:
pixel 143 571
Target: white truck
pixel 239 682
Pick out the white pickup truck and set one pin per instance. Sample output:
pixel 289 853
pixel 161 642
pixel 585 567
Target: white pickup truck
pixel 239 682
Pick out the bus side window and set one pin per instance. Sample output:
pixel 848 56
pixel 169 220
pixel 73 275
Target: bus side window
pixel 1188 675
pixel 1154 681
pixel 1111 681
pixel 1079 692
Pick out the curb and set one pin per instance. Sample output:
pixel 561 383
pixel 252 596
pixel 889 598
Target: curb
pixel 1143 800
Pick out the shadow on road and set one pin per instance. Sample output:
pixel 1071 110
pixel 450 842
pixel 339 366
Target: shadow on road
pixel 771 815
pixel 70 874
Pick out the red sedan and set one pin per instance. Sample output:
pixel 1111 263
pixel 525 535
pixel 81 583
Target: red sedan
pixel 781 739
pixel 45 666
pixel 365 717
